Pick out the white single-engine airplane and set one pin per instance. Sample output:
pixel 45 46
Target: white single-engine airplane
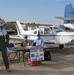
pixel 68 16
pixel 50 34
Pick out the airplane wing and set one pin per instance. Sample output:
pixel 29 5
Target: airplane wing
pixel 64 18
pixel 15 37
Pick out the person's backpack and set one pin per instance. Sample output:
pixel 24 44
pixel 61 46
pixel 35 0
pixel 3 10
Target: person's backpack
pixel 34 43
pixel 47 55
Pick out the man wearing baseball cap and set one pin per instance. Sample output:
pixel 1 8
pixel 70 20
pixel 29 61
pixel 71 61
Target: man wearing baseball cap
pixel 39 41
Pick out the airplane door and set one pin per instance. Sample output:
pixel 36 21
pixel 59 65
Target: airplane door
pixel 47 35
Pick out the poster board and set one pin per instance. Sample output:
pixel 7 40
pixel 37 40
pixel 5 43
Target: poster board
pixel 36 54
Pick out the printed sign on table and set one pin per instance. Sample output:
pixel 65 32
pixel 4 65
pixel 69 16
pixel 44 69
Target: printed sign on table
pixel 36 54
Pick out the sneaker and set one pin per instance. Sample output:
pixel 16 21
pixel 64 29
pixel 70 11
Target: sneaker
pixel 8 70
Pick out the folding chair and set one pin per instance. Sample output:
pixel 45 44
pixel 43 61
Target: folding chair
pixel 11 47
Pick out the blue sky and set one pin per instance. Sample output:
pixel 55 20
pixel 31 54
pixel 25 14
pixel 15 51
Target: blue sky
pixel 29 11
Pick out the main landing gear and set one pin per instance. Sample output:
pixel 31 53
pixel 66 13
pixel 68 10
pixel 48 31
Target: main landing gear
pixel 61 46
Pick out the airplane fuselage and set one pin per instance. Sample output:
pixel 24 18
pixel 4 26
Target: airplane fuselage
pixel 56 38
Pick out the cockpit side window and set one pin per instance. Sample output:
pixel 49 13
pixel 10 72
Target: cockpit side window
pixel 39 32
pixel 35 32
pixel 46 31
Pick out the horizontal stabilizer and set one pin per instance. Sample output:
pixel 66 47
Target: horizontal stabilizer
pixel 71 26
pixel 63 18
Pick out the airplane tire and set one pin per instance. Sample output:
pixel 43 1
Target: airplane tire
pixel 61 46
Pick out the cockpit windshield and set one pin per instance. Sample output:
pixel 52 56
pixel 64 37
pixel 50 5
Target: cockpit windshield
pixel 58 29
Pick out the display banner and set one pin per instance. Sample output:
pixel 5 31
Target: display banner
pixel 36 54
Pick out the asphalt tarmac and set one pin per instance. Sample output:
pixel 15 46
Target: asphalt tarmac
pixel 62 64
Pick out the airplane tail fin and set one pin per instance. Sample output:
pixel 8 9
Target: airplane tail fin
pixel 19 27
pixel 68 13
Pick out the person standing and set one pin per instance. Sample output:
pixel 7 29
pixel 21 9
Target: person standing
pixel 4 39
